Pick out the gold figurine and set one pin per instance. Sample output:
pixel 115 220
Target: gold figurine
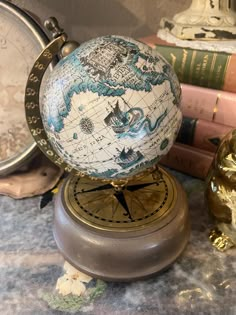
pixel 221 193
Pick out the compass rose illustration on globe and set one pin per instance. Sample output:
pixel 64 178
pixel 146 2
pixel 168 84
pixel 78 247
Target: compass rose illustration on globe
pixel 109 112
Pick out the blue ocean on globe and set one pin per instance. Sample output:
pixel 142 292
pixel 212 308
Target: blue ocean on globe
pixel 111 108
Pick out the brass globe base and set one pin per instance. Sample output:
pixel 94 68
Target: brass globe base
pixel 121 234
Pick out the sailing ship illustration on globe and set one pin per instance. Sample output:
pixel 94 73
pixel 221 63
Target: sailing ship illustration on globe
pixel 116 101
pixel 129 157
pixel 129 123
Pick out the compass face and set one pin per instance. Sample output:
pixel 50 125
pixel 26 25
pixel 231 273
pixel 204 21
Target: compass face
pixel 137 205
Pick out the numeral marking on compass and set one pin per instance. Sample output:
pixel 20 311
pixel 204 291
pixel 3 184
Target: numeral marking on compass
pixel 50 153
pixel 36 132
pixel 42 142
pixel 31 105
pixel 59 161
pixel 32 119
pixel 39 65
pixel 68 168
pixel 30 92
pixel 47 54
pixel 33 78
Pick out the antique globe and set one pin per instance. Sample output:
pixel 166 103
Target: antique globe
pixel 111 108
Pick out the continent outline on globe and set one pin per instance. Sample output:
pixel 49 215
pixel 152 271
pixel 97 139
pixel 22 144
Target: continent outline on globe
pixel 106 124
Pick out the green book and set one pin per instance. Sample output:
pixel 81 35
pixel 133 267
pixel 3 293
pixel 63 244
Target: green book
pixel 197 67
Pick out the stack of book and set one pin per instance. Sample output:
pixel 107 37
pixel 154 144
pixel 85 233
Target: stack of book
pixel 208 81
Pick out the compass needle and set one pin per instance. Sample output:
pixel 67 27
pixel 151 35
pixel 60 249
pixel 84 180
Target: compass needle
pixel 121 199
pixel 138 186
pixel 104 187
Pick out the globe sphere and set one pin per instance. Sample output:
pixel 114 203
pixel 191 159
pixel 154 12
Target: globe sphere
pixel 111 108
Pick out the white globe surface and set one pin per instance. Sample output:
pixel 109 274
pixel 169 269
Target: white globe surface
pixel 111 108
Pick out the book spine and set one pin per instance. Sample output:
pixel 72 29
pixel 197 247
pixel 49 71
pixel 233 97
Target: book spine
pixel 230 75
pixel 197 67
pixel 216 70
pixel 189 160
pixel 201 134
pixel 208 104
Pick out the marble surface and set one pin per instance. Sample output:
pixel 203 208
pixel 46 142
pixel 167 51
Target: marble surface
pixel 202 281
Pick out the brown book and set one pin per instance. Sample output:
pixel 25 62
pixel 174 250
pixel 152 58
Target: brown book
pixel 216 70
pixel 201 133
pixel 189 160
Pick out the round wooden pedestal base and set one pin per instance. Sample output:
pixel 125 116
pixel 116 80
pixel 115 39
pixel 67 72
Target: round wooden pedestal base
pixel 121 235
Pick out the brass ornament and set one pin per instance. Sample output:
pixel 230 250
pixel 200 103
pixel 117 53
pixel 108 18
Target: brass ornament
pixel 59 45
pixel 32 107
pixel 221 193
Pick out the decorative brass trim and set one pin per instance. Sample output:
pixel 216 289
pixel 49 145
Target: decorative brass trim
pixel 32 107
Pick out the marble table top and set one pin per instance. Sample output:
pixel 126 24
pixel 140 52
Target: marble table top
pixel 201 281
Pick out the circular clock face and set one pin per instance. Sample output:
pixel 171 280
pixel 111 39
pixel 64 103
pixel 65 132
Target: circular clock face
pixel 137 205
pixel 21 41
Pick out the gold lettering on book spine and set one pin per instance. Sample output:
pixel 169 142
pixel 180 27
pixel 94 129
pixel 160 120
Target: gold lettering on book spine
pixel 203 69
pixel 212 68
pixel 218 73
pixel 184 59
pixel 173 60
pixel 226 67
pixel 192 66
pixel 197 70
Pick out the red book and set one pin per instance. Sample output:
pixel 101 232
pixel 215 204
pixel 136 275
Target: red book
pixel 216 70
pixel 209 104
pixel 189 160
pixel 201 133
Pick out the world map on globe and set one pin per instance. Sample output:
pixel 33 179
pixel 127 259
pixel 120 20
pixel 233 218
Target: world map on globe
pixel 111 108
